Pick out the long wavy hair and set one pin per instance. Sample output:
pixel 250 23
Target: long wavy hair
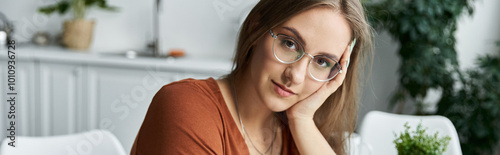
pixel 338 114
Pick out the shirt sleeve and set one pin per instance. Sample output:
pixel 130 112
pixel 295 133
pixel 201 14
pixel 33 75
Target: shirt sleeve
pixel 182 119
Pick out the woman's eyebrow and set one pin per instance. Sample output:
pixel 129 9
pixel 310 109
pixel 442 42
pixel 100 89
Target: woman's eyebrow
pixel 296 33
pixel 334 57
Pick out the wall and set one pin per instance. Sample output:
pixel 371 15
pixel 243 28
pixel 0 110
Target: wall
pixel 204 28
pixel 477 35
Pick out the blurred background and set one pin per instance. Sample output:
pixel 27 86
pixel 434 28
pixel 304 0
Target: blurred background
pixel 107 81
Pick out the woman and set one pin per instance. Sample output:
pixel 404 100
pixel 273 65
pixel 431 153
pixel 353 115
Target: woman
pixel 293 89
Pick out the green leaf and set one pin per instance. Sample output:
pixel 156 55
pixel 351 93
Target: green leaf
pixel 419 142
pixel 48 9
pixel 63 7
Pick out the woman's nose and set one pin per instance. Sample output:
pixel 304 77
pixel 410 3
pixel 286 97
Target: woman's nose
pixel 297 72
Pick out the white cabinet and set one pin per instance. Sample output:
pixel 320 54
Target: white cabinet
pixel 61 92
pixel 25 98
pixel 120 97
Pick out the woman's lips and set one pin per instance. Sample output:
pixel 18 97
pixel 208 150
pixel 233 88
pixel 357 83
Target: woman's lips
pixel 282 90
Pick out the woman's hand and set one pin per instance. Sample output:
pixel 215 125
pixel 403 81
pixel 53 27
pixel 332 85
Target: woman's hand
pixel 306 108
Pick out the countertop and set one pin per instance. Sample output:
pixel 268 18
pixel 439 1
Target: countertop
pixel 61 55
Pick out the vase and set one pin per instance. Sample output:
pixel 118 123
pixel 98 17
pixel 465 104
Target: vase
pixel 78 33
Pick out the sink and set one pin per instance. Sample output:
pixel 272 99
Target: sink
pixel 133 54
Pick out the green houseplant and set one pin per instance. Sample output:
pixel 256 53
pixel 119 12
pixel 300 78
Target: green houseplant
pixel 474 108
pixel 418 142
pixel 78 31
pixel 425 30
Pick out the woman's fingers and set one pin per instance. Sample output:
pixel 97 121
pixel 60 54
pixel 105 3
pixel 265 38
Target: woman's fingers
pixel 331 86
pixel 335 83
pixel 307 107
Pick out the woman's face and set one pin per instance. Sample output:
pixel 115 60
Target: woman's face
pixel 320 31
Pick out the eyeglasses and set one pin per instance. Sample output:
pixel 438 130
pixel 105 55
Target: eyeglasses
pixel 288 50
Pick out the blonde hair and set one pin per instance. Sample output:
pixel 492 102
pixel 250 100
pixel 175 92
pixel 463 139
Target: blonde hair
pixel 338 114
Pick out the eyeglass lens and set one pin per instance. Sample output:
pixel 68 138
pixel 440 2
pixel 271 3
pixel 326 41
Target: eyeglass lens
pixel 287 50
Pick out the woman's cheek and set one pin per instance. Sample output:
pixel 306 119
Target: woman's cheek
pixel 311 88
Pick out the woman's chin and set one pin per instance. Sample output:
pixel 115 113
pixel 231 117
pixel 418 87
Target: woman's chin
pixel 278 106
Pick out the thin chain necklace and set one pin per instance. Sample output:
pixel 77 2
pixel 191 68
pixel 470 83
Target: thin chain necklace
pixel 243 127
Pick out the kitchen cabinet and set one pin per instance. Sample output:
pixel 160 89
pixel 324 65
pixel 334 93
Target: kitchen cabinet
pixel 60 87
pixel 65 92
pixel 24 87
pixel 119 97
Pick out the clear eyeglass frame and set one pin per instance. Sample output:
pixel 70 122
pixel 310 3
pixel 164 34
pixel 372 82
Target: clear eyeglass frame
pixel 302 55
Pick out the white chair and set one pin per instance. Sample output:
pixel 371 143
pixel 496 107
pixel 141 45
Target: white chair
pixel 378 129
pixel 95 142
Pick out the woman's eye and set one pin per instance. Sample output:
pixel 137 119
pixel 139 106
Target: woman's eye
pixel 323 62
pixel 289 44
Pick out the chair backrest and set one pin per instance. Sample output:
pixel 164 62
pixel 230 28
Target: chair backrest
pixel 95 142
pixel 379 128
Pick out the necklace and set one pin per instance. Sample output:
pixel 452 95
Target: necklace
pixel 243 127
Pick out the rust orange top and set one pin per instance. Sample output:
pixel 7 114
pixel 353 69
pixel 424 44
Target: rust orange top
pixel 191 117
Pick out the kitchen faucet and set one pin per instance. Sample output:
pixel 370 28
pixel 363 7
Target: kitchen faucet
pixel 156 29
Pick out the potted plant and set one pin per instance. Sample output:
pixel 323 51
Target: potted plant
pixel 425 30
pixel 474 108
pixel 418 142
pixel 77 32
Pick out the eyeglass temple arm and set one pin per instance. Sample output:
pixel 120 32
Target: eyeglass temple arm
pixel 350 50
pixel 272 34
pixel 352 45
